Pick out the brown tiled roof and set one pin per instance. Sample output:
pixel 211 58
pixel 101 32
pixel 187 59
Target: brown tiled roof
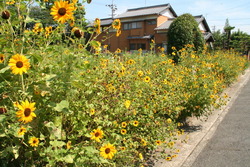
pixel 199 19
pixel 149 10
pixel 165 25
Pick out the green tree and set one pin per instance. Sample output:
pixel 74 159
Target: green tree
pixel 42 15
pixel 227 30
pixel 240 41
pixel 218 40
pixel 184 30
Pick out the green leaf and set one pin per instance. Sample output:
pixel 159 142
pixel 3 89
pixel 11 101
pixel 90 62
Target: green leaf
pixel 50 77
pixel 56 143
pixel 69 158
pixel 64 104
pixel 28 20
pixel 2 117
pixel 91 150
pixel 15 152
pixel 4 69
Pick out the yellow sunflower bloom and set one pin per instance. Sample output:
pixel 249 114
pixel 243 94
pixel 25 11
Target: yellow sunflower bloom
pixel 68 145
pixel 34 141
pixel 147 79
pixel 123 131
pixel 26 111
pixel 135 123
pixel 107 151
pixel 158 142
pixel 97 26
pixel 127 103
pixel 169 158
pixel 22 131
pixel 124 124
pixel 62 11
pixel 116 24
pixel 1 58
pixel 96 135
pixel 19 64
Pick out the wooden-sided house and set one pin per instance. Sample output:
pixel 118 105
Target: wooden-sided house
pixel 142 25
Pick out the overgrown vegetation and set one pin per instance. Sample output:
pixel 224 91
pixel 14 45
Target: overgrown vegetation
pixel 61 105
pixel 184 30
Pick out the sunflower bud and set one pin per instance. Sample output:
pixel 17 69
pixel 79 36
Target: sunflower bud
pixel 5 14
pixel 89 1
pixel 78 33
pixel 3 110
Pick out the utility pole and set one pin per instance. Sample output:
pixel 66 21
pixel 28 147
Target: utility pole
pixel 113 9
pixel 214 27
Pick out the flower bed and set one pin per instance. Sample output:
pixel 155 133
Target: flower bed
pixel 60 105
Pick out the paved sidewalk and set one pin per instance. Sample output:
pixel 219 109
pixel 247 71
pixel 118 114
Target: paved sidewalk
pixel 230 145
pixel 222 139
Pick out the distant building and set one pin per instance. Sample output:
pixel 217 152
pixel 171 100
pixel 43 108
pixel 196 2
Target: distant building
pixel 141 25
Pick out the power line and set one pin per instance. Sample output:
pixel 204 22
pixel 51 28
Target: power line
pixel 113 9
pixel 230 19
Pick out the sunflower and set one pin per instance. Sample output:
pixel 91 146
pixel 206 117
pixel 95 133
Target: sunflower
pixel 158 142
pixel 48 31
pixel 21 131
pixel 34 141
pixel 169 120
pixel 25 112
pixel 147 79
pixel 77 32
pixel 141 156
pixel 169 158
pixel 38 27
pixel 62 11
pixel 1 58
pixel 5 14
pixel 107 151
pixel 19 64
pixel 135 123
pixel 92 111
pixel 140 73
pixel 97 134
pixel 68 145
pixel 97 26
pixel 130 61
pixel 144 142
pixel 123 131
pixel 116 24
pixel 127 103
pixel 124 124
pixel 123 148
pixel 118 33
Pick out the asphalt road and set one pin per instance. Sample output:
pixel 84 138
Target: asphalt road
pixel 230 144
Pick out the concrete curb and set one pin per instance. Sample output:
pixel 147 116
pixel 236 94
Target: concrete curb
pixel 199 138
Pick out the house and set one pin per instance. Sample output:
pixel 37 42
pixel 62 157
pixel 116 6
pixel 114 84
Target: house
pixel 142 25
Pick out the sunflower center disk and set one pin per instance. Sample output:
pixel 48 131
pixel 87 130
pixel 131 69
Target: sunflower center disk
pixel 19 64
pixel 27 112
pixel 97 134
pixel 62 11
pixel 107 150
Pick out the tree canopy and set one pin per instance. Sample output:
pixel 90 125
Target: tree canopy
pixel 185 30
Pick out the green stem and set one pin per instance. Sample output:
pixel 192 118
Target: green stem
pixel 22 83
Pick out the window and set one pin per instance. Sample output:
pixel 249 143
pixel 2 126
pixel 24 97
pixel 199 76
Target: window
pixel 151 22
pixel 133 25
pixel 136 46
pixel 132 46
pixel 141 46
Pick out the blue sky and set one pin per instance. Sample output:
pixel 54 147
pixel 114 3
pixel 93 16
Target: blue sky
pixel 215 11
